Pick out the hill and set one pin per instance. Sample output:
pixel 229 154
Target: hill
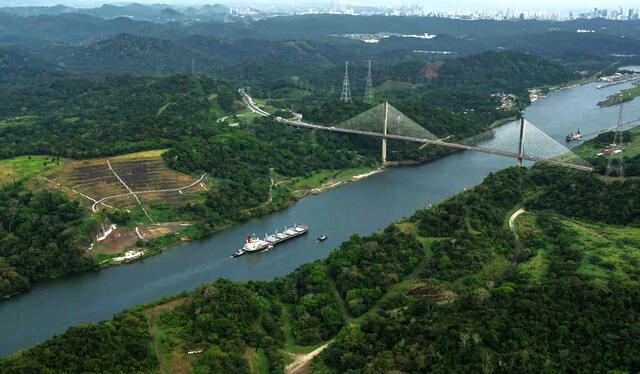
pixel 18 63
pixel 448 289
pixel 125 53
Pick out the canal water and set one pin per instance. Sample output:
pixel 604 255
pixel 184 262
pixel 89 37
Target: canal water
pixel 362 208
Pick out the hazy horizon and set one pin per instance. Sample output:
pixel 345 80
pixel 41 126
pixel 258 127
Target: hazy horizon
pixel 464 4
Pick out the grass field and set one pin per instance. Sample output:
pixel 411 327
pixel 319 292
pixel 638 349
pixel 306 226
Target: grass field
pixel 608 252
pixel 323 176
pixel 262 103
pixel 25 167
pixel 167 345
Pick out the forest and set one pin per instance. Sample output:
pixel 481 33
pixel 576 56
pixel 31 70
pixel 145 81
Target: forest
pixel 442 291
pixel 43 235
pixel 445 290
pixel 82 117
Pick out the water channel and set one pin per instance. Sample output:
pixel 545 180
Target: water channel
pixel 362 208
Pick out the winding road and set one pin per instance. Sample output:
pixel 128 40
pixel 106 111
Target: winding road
pixel 94 207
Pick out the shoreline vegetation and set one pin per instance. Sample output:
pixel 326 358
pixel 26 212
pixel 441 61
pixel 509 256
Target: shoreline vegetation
pixel 621 97
pixel 254 168
pixel 420 272
pixel 35 170
pixel 298 187
pixel 175 239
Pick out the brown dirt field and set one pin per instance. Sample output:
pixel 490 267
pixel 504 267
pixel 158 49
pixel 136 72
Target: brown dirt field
pixel 116 242
pixel 166 306
pixel 180 363
pixel 140 171
pixel 120 239
pixel 431 70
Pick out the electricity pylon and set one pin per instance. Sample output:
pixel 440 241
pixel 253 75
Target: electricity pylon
pixel 345 96
pixel 368 91
pixel 616 158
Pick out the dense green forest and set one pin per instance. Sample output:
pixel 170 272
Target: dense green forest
pixel 244 164
pixel 83 117
pixel 43 235
pixel 102 116
pixel 90 117
pixel 445 290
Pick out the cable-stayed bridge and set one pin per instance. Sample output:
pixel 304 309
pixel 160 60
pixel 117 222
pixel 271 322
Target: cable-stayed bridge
pixel 528 143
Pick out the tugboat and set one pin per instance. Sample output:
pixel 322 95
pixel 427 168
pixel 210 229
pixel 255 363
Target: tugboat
pixel 322 237
pixel 573 136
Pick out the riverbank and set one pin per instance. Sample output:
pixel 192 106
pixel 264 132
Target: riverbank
pixel 338 213
pixel 162 244
pixel 620 97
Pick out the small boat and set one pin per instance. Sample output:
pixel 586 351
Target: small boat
pixel 322 238
pixel 239 253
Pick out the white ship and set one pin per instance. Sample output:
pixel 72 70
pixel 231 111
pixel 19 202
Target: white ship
pixel 254 244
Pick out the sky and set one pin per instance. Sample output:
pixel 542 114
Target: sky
pixel 440 5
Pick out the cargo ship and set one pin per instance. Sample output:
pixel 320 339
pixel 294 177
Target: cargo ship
pixel 254 244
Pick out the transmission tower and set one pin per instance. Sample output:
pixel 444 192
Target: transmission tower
pixel 345 96
pixel 368 91
pixel 615 165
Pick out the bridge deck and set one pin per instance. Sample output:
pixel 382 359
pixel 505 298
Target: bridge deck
pixel 249 102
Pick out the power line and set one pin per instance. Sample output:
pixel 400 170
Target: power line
pixel 368 91
pixel 345 96
pixel 615 165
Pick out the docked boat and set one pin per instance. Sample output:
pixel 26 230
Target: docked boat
pixel 254 244
pixel 573 136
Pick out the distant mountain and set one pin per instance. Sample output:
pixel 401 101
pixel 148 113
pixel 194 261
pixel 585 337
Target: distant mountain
pixel 38 10
pixel 292 51
pixel 141 12
pixel 125 53
pixel 19 63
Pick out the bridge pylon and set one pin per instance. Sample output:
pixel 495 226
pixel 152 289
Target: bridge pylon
pixel 521 142
pixel 385 132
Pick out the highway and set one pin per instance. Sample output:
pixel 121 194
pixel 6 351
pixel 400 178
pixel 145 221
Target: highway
pixel 251 105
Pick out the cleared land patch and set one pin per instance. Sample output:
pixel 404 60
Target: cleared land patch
pixel 128 237
pixel 143 172
pixel 608 251
pixel 24 167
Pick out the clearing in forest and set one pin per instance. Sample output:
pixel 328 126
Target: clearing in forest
pixel 111 180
